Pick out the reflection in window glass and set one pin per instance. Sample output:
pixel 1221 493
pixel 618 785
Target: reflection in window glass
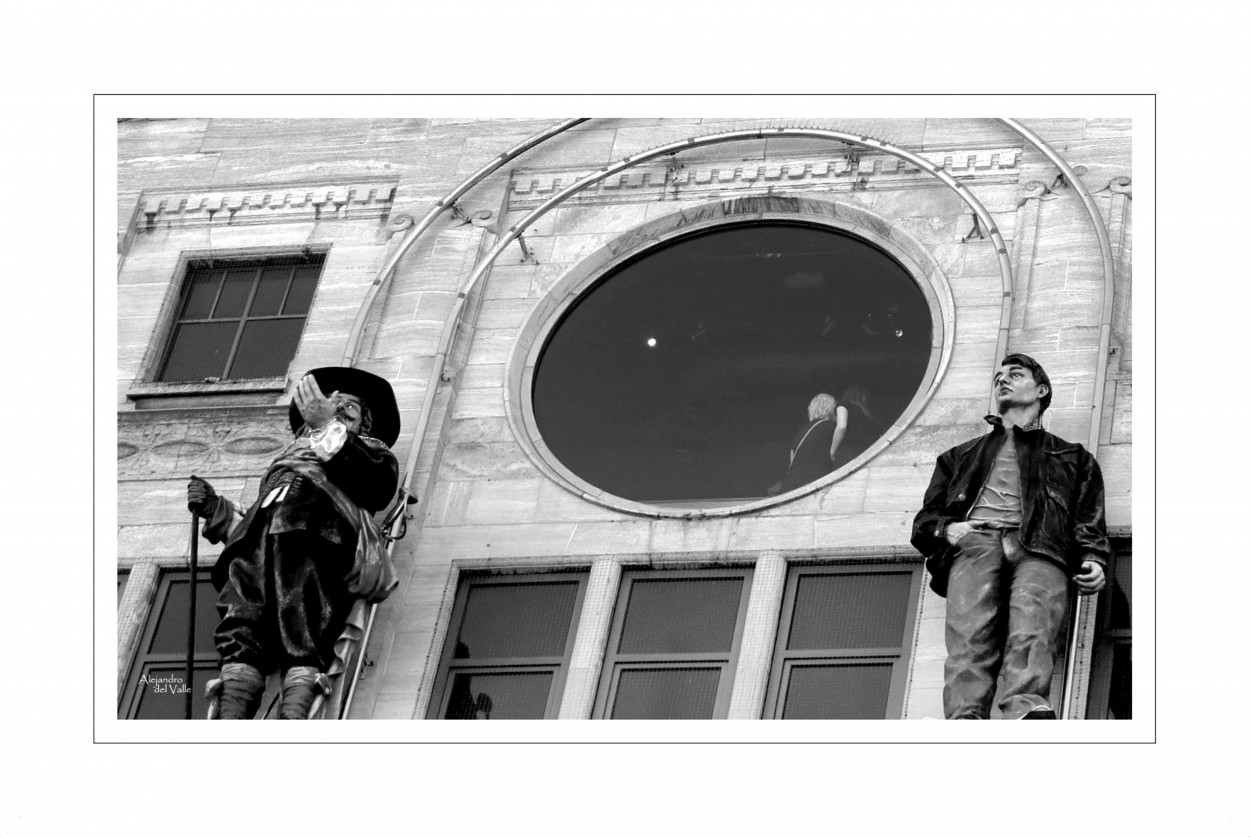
pixel 513 620
pixel 850 611
pixel 675 693
pixel 854 692
pixel 683 374
pixel 483 697
pixel 673 644
pixel 843 642
pixel 680 616
pixel 508 646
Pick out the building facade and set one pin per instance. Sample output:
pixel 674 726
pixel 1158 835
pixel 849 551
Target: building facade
pixel 603 335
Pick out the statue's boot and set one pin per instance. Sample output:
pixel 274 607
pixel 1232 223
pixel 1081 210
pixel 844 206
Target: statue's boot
pixel 235 696
pixel 301 686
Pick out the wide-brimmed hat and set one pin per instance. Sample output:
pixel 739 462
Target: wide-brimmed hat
pixel 375 392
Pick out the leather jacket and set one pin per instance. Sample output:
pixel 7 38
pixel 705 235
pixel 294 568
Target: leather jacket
pixel 1063 517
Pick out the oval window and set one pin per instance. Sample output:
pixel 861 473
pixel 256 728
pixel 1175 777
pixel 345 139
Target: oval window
pixel 685 375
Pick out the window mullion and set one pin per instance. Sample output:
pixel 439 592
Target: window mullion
pixel 238 335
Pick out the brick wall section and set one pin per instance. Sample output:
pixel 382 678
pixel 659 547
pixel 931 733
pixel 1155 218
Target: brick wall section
pixel 482 500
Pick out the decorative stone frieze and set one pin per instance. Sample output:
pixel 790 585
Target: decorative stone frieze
pixel 240 441
pixel 850 171
pixel 353 200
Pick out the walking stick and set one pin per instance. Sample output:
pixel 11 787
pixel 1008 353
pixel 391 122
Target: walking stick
pixel 195 554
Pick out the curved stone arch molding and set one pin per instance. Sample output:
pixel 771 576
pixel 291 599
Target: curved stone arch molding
pixel 590 271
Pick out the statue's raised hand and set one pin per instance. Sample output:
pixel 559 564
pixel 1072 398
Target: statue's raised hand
pixel 312 403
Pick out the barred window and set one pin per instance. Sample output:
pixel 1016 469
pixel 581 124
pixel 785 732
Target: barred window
pixel 240 319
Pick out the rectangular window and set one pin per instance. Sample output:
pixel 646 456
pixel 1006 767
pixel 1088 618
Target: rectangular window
pixel 844 642
pixel 240 319
pixel 1111 670
pixel 508 647
pixel 157 684
pixel 674 644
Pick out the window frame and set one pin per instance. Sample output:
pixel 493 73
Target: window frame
pixel 128 704
pixel 615 662
pixel 448 667
pixel 913 256
pixel 784 662
pixel 188 267
pixel 1108 639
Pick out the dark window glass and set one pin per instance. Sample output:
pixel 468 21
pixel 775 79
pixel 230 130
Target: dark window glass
pixel 1111 668
pixel 199 351
pixel 508 646
pixel 266 348
pixel 270 291
pixel 171 628
pixel 850 611
pixel 157 681
pixel 498 696
pixel 853 692
pixel 234 293
pixel 681 616
pixel 1122 596
pixel 514 620
pixel 684 374
pixel 673 644
pixel 843 642
pixel 201 294
pixel 302 287
pixel 230 325
pixel 1120 703
pixel 681 693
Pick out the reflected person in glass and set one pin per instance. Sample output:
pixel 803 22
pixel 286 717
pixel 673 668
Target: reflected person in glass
pixel 815 444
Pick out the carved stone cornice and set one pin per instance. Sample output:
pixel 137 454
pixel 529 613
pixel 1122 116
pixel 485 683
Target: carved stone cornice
pixel 847 171
pixel 351 200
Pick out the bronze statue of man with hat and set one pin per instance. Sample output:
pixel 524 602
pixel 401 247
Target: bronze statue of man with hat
pixel 296 560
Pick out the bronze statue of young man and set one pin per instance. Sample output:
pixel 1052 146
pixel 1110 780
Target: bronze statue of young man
pixel 1008 518
pixel 291 567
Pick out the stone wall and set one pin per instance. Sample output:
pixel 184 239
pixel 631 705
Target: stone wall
pixel 200 186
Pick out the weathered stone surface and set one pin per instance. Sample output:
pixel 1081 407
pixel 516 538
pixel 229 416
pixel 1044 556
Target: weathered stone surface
pixel 159 137
pixel 883 529
pixel 610 538
pixel 557 504
pixel 509 281
pixel 846 496
pixel 478 461
pixel 503 501
pixel 491 346
pixel 1122 415
pixel 478 403
pixel 940 132
pixel 501 541
pixel 898 488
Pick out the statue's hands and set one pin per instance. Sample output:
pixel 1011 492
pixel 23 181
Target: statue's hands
pixel 956 531
pixel 1092 578
pixel 201 498
pixel 312 403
